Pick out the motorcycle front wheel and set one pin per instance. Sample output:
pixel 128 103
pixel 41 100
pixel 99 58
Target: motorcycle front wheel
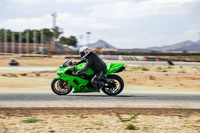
pixel 115 86
pixel 60 87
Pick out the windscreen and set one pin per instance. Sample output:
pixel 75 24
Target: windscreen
pixel 67 63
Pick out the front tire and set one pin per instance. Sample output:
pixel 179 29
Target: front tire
pixel 57 89
pixel 116 88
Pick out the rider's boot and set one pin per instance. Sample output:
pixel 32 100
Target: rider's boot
pixel 98 85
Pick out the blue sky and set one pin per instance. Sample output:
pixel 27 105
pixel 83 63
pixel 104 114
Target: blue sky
pixel 122 23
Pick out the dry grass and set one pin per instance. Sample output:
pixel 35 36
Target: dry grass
pixel 132 127
pixel 31 120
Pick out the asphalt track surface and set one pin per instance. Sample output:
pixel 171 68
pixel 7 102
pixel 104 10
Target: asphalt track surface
pixel 96 100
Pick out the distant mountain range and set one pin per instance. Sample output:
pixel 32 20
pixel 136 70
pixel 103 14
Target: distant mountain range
pixel 100 44
pixel 97 44
pixel 182 46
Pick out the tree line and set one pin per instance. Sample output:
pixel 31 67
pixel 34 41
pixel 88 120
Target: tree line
pixel 45 35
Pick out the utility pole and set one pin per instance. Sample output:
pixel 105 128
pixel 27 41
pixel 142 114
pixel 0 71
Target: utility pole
pixel 5 42
pixel 13 43
pixel 27 42
pixel 199 36
pixel 88 37
pixel 35 41
pixel 54 15
pixel 42 40
pixel 20 43
pixel 81 38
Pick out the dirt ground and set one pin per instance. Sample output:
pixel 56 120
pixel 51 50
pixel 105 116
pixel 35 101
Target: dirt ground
pixel 99 120
pixel 161 79
pixel 33 61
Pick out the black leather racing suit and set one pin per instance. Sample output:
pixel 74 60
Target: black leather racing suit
pixel 97 64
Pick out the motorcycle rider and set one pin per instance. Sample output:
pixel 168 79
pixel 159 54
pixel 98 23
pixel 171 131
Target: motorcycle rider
pixel 92 61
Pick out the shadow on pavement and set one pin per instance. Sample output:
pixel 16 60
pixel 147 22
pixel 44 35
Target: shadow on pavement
pixel 105 95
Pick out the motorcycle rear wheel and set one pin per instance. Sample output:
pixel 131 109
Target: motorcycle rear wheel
pixel 57 89
pixel 116 87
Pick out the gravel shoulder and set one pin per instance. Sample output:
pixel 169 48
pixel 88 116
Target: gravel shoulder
pixel 56 120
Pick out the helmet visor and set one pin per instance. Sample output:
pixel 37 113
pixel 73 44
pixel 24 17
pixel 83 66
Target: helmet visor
pixel 83 54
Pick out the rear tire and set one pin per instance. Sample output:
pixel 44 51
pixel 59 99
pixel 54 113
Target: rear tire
pixel 56 88
pixel 117 78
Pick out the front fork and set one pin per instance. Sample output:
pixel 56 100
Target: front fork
pixel 105 79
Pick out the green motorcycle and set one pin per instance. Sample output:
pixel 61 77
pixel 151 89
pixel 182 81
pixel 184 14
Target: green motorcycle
pixel 66 81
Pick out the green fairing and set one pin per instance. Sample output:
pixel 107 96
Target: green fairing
pixel 57 77
pixel 81 66
pixel 64 69
pixel 111 68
